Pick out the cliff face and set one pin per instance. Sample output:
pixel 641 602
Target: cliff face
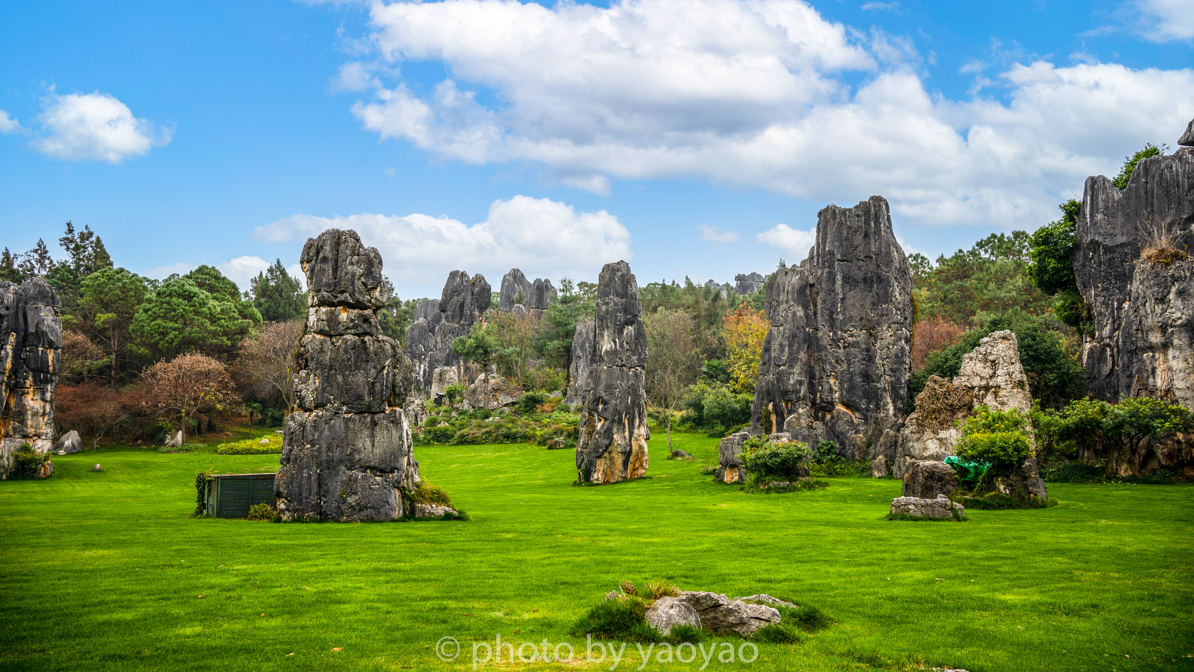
pixel 30 357
pixel 836 361
pixel 439 322
pixel 1140 309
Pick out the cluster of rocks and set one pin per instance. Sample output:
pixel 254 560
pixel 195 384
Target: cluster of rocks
pixel 714 613
pixel 990 375
pixel 438 322
pixel 347 452
pixel 522 296
pixel 748 283
pixel 724 289
pixel 613 433
pixel 836 361
pixel 1142 306
pixel 926 490
pixel 30 357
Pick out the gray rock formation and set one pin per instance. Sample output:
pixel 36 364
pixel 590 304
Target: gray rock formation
pixel 722 616
pixel 939 507
pixel 30 355
pixel 729 465
pixel 764 598
pixel 347 450
pixel 613 434
pixel 1142 323
pixel 437 323
pixel 836 361
pixel 582 361
pixel 926 479
pixel 668 612
pixel 748 283
pixel 724 289
pixel 517 290
pixel 501 392
pixel 69 443
pixel 1187 139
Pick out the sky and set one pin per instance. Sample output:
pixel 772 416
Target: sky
pixel 694 138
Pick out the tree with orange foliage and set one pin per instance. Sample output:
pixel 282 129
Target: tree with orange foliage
pixel 185 385
pixel 929 336
pixel 744 330
pixel 92 409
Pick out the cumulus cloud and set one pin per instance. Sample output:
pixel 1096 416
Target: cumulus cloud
pixel 8 124
pixel 95 127
pixel 714 234
pixel 243 269
pixel 794 242
pixel 1166 20
pixel 177 268
pixel 757 94
pixel 541 236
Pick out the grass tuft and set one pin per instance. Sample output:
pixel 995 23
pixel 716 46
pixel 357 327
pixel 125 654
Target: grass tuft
pixel 621 619
pixel 775 634
pixel 657 589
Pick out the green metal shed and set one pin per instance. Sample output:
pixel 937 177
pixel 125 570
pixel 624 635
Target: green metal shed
pixel 231 495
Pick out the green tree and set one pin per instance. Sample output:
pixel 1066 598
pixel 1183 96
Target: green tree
pixel 277 295
pixel 554 340
pixel 110 300
pixel 8 267
pixel 1052 268
pixel 180 317
pixel 480 348
pixel 975 285
pixel 1118 431
pixel 1125 174
pixel 210 280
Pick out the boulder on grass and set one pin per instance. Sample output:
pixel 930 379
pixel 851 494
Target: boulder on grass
pixel 940 508
pixel 668 612
pixel 925 479
pixel 69 443
pixel 431 510
pixel 720 615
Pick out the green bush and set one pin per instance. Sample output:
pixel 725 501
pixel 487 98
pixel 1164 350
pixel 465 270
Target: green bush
pixel 531 401
pixel 251 446
pixel 261 511
pixel 426 493
pixel 27 462
pixel 715 407
pixel 764 460
pixel 1004 451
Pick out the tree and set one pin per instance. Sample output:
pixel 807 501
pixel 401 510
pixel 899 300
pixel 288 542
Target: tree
pixel 480 348
pixel 181 317
pixel 1122 180
pixel 929 336
pixel 36 261
pixel 673 361
pixel 1052 267
pixel 1117 431
pixel 81 359
pixel 744 331
pixel 516 338
pixel 267 359
pixel 8 267
pixel 111 300
pixel 277 295
pixel 210 280
pixel 186 385
pixel 91 408
pixel 558 327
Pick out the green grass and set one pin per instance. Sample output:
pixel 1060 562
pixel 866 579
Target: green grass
pixel 107 571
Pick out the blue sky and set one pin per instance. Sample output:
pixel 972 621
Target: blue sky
pixel 693 138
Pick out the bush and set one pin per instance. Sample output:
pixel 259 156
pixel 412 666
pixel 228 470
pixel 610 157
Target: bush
pixel 715 407
pixel 261 511
pixel 1004 451
pixel 531 401
pixel 27 462
pixel 764 460
pixel 426 493
pixel 251 447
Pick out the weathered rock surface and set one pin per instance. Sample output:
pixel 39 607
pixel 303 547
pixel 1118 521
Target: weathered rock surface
pixel 939 507
pixel 419 510
pixel 501 392
pixel 613 434
pixel 992 371
pixel 729 465
pixel 1187 139
pixel 723 289
pixel 668 612
pixel 748 283
pixel 347 450
pixel 30 357
pixel 436 324
pixel 722 616
pixel 174 440
pixel 836 361
pixel 764 598
pixel 516 290
pixel 926 479
pixel 442 378
pixel 69 443
pixel 582 361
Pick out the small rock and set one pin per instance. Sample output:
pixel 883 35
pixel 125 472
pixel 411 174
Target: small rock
pixel 174 441
pixel 611 595
pixel 879 467
pixel 557 444
pixel 264 442
pixel 681 455
pixel 431 510
pixel 941 507
pixel 764 598
pixel 927 479
pixel 668 612
pixel 97 468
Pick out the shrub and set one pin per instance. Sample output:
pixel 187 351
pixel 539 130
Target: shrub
pixel 27 462
pixel 1004 451
pixel 251 447
pixel 715 407
pixel 764 460
pixel 261 511
pixel 658 589
pixel 454 393
pixel 531 401
pixel 426 493
pixel 941 403
pixel 201 480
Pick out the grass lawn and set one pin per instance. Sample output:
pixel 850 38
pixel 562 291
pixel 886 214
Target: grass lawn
pixel 106 571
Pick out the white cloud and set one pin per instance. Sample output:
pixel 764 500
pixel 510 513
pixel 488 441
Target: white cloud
pixel 714 234
pixel 883 6
pixel 755 94
pixel 243 269
pixel 543 237
pixel 1166 20
pixel 8 124
pixel 163 272
pixel 795 242
pixel 97 127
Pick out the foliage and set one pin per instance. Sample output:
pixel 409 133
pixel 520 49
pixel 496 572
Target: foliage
pixel 111 299
pixel 201 480
pixel 82 360
pixel 261 512
pixel 277 295
pixel 558 327
pixel 941 403
pixel 780 461
pixel 92 409
pixel 776 633
pixel 673 359
pixel 1122 180
pixel 744 331
pixel 716 407
pixel 1052 268
pixel 929 336
pixel 479 347
pixel 183 317
pixel 454 393
pixel 1114 431
pixel 996 501
pixel 186 385
pixel 27 462
pixel 545 378
pixel 426 493
pixel 530 402
pixel 252 446
pixel 657 589
pixel 266 363
pixel 538 429
pixel 622 618
pixel 515 336
pixel 996 438
pixel 1054 376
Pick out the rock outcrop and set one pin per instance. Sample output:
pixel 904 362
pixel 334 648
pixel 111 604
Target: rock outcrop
pixel 613 434
pixel 347 451
pixel 582 361
pixel 668 612
pixel 30 357
pixel 723 289
pixel 939 507
pixel 836 361
pixel 729 464
pixel 69 443
pixel 501 392
pixel 1140 309
pixel 925 479
pixel 516 290
pixel 437 323
pixel 748 283
pixel 720 615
